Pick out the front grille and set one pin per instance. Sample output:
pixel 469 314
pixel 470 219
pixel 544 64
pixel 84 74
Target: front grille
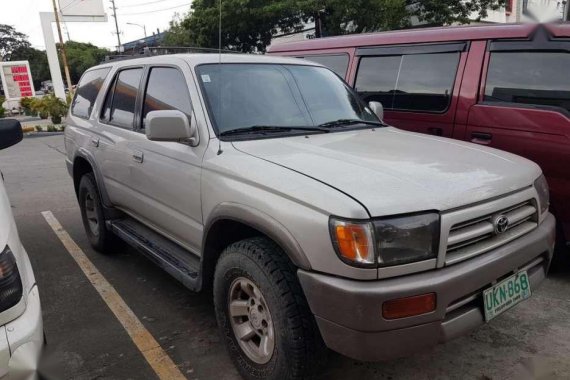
pixel 476 236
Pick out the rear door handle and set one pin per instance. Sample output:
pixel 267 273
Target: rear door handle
pixel 95 141
pixel 481 137
pixel 138 156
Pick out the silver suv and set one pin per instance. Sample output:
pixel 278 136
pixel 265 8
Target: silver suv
pixel 316 225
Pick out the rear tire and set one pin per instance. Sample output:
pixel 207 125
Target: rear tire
pixel 280 338
pixel 91 208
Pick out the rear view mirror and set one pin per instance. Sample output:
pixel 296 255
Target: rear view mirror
pixel 378 109
pixel 10 133
pixel 170 125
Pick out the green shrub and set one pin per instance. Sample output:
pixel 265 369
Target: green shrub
pixel 51 128
pixel 56 107
pixel 49 105
pixel 38 128
pixel 26 104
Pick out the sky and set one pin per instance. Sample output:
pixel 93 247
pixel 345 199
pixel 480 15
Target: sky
pixel 24 16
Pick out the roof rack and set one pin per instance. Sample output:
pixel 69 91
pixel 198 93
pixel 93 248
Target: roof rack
pixel 154 51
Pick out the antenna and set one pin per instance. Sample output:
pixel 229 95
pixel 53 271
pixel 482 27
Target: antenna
pixel 220 71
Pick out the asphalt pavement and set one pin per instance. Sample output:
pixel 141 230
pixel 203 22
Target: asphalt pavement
pixel 86 340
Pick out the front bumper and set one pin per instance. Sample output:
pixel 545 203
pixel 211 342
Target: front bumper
pixel 21 341
pixel 349 313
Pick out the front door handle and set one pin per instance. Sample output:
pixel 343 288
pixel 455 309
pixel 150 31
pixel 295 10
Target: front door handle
pixel 95 141
pixel 481 138
pixel 138 156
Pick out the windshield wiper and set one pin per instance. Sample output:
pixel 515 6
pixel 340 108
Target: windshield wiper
pixel 347 122
pixel 269 129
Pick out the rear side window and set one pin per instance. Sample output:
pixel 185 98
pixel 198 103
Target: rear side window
pixel 418 82
pixel 120 103
pixel 338 63
pixel 537 78
pixel 87 91
pixel 166 90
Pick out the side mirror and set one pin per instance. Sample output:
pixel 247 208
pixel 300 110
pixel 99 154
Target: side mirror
pixel 10 133
pixel 378 109
pixel 170 125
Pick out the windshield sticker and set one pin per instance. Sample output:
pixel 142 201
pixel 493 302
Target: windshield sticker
pixel 206 78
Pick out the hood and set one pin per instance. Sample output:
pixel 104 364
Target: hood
pixel 390 171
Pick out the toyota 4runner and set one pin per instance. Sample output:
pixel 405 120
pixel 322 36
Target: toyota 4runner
pixel 269 181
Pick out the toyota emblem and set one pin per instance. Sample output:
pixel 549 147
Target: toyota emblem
pixel 501 224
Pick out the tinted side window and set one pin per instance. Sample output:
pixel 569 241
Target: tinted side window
pixel 119 107
pixel 418 82
pixel 166 90
pixel 376 79
pixel 87 91
pixel 338 63
pixel 539 78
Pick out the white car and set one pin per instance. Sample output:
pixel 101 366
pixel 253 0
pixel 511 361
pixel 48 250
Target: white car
pixel 21 326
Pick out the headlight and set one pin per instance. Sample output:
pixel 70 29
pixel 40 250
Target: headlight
pixel 386 242
pixel 406 239
pixel 541 187
pixel 10 282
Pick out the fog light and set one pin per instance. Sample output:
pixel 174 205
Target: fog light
pixel 409 306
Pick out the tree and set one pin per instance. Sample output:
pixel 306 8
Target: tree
pixel 11 40
pixel 81 56
pixel 249 25
pixel 177 35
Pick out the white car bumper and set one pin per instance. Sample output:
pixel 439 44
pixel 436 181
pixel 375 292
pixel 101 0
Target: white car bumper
pixel 21 341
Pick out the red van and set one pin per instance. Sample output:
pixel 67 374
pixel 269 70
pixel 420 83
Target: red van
pixel 505 86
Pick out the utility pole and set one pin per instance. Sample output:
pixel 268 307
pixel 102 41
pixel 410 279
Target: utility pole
pixel 116 25
pixel 62 47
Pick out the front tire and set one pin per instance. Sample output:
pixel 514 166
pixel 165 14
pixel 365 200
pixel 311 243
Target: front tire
pixel 91 208
pixel 264 318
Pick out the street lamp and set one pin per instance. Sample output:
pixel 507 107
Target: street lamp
pixel 140 26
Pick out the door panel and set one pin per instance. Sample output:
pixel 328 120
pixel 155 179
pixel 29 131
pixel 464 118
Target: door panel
pixel 165 176
pixel 166 183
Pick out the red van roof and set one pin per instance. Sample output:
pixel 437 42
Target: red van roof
pixel 406 36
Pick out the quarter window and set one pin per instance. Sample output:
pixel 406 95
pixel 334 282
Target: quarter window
pixel 87 91
pixel 537 78
pixel 418 82
pixel 338 63
pixel 120 103
pixel 166 90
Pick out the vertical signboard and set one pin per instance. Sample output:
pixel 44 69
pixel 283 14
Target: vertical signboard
pixel 16 80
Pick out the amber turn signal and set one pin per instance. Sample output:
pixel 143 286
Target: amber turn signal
pixel 354 241
pixel 409 306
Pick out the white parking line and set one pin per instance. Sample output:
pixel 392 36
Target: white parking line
pixel 158 359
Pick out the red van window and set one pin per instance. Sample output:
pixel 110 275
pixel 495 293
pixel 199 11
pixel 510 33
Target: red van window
pixel 338 63
pixel 418 82
pixel 537 78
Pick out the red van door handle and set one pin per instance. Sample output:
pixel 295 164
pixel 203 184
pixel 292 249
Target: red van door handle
pixel 481 138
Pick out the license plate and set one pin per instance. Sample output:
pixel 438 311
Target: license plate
pixel 506 294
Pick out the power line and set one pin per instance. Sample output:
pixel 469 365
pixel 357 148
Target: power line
pixel 156 10
pixel 139 4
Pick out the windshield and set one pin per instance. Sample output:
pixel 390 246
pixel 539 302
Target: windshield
pixel 243 96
